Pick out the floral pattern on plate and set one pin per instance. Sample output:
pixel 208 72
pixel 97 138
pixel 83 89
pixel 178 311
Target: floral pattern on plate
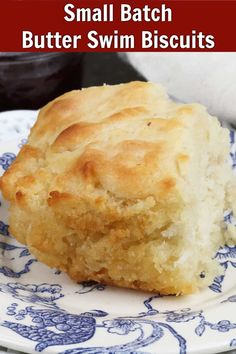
pixel 41 309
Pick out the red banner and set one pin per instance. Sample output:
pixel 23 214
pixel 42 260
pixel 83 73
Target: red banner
pixel 95 25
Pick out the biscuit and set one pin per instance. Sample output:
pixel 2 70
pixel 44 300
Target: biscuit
pixel 121 185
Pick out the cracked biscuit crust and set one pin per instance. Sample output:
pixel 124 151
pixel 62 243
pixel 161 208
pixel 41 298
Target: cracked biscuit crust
pixel 103 175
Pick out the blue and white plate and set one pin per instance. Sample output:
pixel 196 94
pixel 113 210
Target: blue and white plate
pixel 42 310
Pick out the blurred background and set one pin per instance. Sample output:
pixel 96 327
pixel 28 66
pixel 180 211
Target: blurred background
pixel 30 80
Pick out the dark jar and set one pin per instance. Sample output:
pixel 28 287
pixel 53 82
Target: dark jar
pixel 30 80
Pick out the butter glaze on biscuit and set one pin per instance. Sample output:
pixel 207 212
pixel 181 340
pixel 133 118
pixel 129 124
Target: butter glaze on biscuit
pixel 121 185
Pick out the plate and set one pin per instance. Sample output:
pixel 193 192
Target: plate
pixel 42 310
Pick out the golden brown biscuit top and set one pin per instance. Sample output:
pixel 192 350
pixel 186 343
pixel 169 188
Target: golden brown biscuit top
pixel 128 140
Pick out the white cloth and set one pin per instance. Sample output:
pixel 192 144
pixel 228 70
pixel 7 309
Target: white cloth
pixel 208 78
